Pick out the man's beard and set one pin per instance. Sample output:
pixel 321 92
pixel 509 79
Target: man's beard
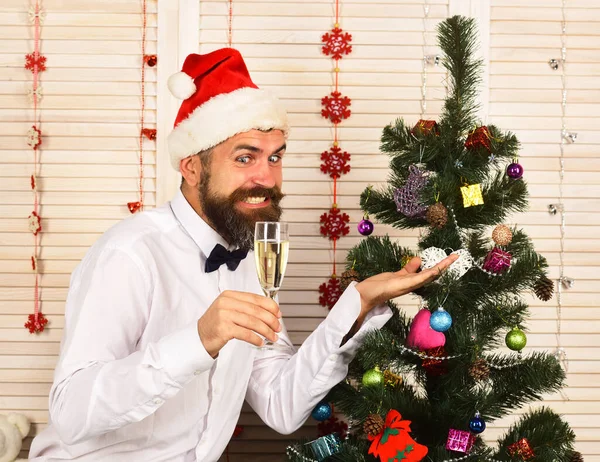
pixel 235 226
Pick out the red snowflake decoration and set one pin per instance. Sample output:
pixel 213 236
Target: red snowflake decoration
pixel 35 62
pixel 336 107
pixel 330 292
pixel 332 425
pixel 36 323
pixel 34 222
pixel 149 133
pixel 337 43
pixel 335 162
pixel 334 224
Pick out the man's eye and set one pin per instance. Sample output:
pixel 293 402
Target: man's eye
pixel 274 158
pixel 243 159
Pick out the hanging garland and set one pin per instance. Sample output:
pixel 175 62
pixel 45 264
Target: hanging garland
pixel 335 161
pixel 36 63
pixel 149 133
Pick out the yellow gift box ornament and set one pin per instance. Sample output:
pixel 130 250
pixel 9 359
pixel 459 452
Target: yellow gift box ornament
pixel 472 195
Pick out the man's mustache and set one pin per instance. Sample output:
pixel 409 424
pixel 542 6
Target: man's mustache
pixel 273 193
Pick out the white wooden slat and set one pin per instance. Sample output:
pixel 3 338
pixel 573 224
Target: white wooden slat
pixel 54 74
pixel 309 8
pixel 83 6
pixel 79 88
pixel 78 47
pixel 20 32
pixel 66 19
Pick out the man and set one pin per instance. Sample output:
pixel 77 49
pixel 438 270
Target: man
pixel 163 312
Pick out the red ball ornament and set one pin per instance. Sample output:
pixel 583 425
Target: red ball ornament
pixel 515 171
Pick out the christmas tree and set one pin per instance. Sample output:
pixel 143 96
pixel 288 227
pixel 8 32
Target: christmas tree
pixel 424 388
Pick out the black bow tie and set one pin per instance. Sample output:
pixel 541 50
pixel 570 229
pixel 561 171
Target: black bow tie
pixel 220 255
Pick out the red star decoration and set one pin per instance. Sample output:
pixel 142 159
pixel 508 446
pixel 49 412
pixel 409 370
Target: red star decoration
pixel 336 107
pixel 149 133
pixel 35 323
pixel 335 162
pixel 334 224
pixel 337 43
pixel 35 62
pixel 332 425
pixel 330 292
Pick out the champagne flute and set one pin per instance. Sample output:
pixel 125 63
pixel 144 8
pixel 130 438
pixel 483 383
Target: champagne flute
pixel 271 248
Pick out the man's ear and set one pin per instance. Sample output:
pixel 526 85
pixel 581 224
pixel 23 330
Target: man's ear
pixel 191 170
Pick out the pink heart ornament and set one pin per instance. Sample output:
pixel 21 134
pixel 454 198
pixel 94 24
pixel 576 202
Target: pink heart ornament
pixel 421 335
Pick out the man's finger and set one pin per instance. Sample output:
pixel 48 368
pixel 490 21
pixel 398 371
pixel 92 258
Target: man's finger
pixel 255 299
pixel 413 265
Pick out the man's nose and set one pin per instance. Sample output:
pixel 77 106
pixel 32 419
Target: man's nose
pixel 264 175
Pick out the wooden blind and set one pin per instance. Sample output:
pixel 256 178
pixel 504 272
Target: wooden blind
pixel 525 97
pixel 90 115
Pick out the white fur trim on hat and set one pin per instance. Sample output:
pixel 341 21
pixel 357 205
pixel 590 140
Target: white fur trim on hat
pixel 224 116
pixel 181 85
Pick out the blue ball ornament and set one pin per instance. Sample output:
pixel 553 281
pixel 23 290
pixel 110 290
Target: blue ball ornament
pixel 440 320
pixel 322 411
pixel 477 424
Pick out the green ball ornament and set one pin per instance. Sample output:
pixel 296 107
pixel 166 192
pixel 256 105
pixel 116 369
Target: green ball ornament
pixel 373 378
pixel 516 339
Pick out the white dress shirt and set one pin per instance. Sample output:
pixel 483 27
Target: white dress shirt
pixel 134 382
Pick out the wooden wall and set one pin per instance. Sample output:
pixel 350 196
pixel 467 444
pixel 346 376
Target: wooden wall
pixel 90 114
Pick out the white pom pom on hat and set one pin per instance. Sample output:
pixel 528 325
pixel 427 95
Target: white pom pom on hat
pixel 181 85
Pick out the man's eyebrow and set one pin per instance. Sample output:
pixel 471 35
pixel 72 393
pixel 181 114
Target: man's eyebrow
pixel 249 147
pixel 246 147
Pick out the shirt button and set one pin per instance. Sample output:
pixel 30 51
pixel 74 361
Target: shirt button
pixel 158 401
pixel 197 372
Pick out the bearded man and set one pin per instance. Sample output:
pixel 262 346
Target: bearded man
pixel 165 312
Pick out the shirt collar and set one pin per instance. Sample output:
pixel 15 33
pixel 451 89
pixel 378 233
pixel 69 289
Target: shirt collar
pixel 203 235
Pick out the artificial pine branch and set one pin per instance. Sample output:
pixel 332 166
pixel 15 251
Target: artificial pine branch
pixel 551 438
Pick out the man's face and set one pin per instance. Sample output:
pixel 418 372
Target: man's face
pixel 241 185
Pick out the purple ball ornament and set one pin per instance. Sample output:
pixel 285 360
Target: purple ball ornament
pixel 515 171
pixel 366 227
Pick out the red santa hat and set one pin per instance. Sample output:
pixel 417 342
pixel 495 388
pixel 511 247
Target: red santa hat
pixel 220 101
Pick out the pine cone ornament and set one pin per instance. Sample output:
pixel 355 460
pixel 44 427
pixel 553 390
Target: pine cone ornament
pixel 391 379
pixel 544 288
pixel 437 215
pixel 347 277
pixel 374 425
pixel 502 235
pixel 576 457
pixel 479 370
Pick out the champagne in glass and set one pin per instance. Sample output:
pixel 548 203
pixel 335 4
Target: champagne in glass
pixel 271 248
